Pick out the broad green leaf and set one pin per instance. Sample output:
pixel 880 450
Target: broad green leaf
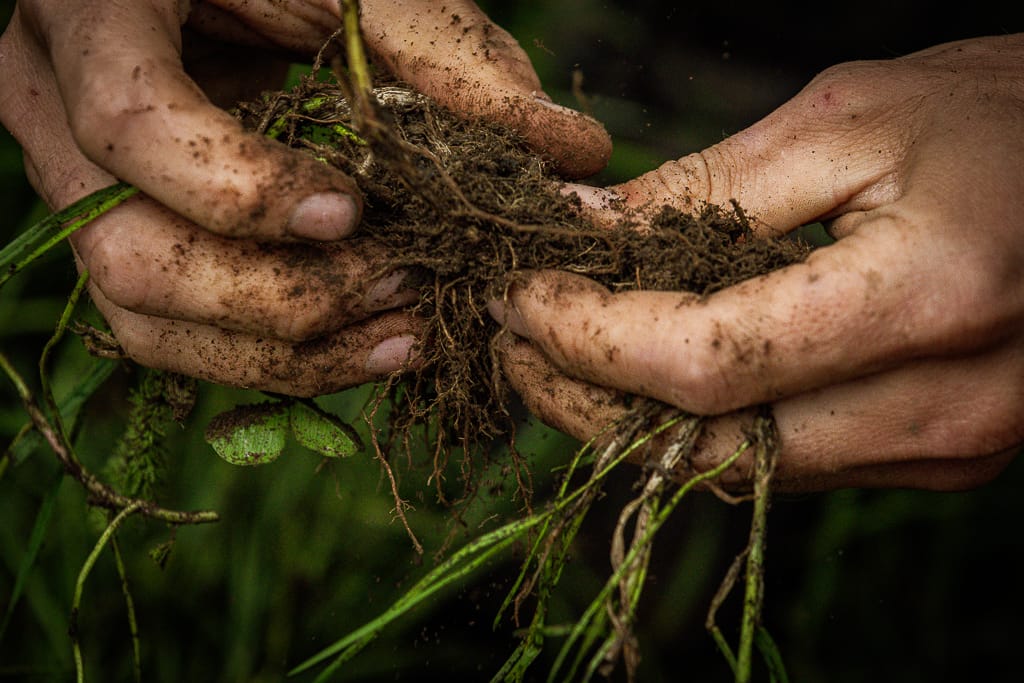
pixel 323 432
pixel 249 434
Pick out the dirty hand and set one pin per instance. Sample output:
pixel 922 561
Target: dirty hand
pixel 893 357
pixel 228 266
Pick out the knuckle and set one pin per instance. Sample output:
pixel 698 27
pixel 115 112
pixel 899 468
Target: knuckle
pixel 700 387
pixel 967 311
pixel 690 183
pixel 119 269
pixel 306 322
pixel 99 115
pixel 993 425
pixel 684 182
pixel 844 91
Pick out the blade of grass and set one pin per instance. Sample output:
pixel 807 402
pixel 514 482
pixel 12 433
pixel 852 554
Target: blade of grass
pixel 468 558
pixel 772 658
pixel 44 235
pixel 35 542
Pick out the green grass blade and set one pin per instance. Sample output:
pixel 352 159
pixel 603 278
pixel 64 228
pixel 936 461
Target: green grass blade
pixel 772 658
pixel 35 542
pixel 463 562
pixel 50 231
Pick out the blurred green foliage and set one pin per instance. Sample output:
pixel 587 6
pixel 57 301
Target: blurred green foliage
pixel 890 585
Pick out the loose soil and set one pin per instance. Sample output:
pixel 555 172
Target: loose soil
pixel 464 206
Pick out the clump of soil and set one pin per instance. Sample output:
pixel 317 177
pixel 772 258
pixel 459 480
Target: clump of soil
pixel 464 206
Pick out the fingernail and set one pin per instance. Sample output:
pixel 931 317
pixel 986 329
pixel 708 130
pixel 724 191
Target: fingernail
pixel 593 197
pixel 390 355
pixel 507 315
pixel 324 216
pixel 388 292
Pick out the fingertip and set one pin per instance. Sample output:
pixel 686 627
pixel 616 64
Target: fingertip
pixel 577 144
pixel 395 353
pixel 324 216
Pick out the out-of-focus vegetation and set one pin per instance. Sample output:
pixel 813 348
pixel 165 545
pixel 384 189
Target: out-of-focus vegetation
pixel 896 585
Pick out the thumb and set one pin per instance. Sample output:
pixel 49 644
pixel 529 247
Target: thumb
pixel 834 147
pixel 455 54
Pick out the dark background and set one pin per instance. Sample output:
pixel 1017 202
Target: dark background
pixel 862 585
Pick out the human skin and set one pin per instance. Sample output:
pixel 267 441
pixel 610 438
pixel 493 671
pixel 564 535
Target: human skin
pixel 891 358
pixel 240 263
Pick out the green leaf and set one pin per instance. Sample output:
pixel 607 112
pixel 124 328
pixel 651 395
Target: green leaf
pixel 250 434
pixel 322 432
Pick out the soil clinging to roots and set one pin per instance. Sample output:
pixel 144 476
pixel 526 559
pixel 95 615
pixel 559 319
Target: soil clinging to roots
pixel 463 206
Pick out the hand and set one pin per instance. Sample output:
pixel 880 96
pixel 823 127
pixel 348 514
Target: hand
pixel 229 267
pixel 893 357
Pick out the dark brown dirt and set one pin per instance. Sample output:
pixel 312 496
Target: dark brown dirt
pixel 464 206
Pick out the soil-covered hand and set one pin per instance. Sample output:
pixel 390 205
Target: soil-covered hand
pixel 893 357
pixel 232 264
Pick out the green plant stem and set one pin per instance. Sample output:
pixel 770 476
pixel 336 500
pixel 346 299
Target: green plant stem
pixel 27 438
pixel 133 624
pixel 468 558
pixel 772 658
pixel 101 495
pixel 597 605
pixel 754 592
pixel 358 67
pixel 83 574
pixel 564 499
pixel 44 357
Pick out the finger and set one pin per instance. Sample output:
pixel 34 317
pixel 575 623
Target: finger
pixel 359 353
pixel 605 207
pixel 934 475
pixel 31 110
pixel 949 409
pixel 814 323
pixel 134 112
pixel 577 408
pixel 929 426
pixel 454 53
pixel 149 260
pixel 838 142
pixel 299 26
pixel 229 74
